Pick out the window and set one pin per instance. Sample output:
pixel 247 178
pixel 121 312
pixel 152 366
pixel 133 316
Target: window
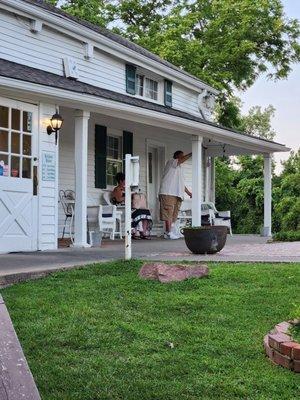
pixel 146 87
pixel 15 143
pixel 140 85
pixel 151 89
pixel 110 151
pixel 114 158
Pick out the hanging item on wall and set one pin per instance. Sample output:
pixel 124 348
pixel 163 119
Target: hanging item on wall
pixel 71 68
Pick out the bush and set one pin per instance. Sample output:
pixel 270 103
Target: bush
pixel 295 314
pixel 295 330
pixel 287 236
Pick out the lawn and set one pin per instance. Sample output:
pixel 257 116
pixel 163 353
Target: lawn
pixel 102 333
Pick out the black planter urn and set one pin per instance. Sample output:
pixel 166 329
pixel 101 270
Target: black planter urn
pixel 205 239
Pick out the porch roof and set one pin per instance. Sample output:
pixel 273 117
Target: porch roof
pixel 37 77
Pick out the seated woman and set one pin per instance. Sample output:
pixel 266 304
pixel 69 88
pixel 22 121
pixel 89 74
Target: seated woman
pixel 141 217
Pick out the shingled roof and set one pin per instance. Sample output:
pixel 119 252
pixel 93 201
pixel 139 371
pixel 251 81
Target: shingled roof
pixel 25 73
pixel 110 35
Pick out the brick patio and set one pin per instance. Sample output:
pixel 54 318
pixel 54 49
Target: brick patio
pixel 239 248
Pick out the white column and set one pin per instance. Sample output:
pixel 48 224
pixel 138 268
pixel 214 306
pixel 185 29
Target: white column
pixel 212 194
pixel 267 230
pixel 81 156
pixel 207 177
pixel 196 180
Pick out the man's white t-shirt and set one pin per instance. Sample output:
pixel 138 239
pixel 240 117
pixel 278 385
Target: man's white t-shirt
pixel 172 182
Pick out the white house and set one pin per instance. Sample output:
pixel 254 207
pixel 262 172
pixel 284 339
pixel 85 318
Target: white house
pixel 115 97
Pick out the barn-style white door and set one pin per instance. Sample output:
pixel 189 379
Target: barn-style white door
pixel 18 176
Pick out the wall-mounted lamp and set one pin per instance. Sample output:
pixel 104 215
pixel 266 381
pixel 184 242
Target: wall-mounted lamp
pixel 56 122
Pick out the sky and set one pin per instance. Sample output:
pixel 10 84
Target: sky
pixel 284 95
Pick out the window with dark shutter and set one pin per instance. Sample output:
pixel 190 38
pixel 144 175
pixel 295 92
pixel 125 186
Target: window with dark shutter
pixel 100 156
pixel 130 79
pixel 168 93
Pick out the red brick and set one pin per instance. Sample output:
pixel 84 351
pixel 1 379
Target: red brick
pixel 278 338
pixel 269 351
pixel 296 351
pixel 296 365
pixel 283 327
pixel 286 348
pixel 282 360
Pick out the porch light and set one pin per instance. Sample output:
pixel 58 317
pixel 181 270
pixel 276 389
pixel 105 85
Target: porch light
pixel 56 122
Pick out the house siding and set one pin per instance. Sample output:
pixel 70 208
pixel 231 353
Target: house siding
pixel 45 50
pixel 48 193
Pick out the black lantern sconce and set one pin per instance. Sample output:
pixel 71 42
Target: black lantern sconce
pixel 56 122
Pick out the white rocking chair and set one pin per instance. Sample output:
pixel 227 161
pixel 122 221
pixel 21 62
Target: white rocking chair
pixel 220 217
pixel 107 218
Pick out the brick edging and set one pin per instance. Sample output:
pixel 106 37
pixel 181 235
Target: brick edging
pixel 281 349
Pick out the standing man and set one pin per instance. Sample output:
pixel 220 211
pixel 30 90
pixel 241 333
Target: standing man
pixel 171 192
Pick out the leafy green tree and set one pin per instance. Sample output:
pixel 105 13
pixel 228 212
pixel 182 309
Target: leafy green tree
pixel 99 12
pixel 226 43
pixel 287 196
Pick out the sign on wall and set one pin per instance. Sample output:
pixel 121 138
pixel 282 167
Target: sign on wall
pixel 48 166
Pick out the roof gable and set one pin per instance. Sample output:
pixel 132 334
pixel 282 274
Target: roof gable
pixel 115 38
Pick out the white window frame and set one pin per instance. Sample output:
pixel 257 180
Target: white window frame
pixel 140 74
pixel 113 160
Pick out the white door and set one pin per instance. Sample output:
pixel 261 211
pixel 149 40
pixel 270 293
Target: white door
pixel 18 182
pixel 155 167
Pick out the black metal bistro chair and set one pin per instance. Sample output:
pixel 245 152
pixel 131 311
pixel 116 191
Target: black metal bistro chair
pixel 67 200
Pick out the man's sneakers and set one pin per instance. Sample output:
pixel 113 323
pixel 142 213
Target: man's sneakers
pixel 171 236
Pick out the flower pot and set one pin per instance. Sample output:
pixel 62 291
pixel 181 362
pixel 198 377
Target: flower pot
pixel 205 239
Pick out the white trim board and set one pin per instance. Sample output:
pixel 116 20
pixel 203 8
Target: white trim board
pixel 138 114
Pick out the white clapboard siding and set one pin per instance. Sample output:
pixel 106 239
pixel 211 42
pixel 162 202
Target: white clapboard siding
pixel 171 140
pixel 47 238
pixel 185 99
pixel 45 50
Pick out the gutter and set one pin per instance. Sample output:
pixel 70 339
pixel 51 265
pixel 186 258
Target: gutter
pixel 137 114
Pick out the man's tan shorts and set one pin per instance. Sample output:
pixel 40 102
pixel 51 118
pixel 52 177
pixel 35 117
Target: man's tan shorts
pixel 169 207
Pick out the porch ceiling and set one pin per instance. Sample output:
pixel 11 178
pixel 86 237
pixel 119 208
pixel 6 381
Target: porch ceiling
pixel 45 86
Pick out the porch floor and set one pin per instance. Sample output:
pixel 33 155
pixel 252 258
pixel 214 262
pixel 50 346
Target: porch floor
pixel 239 248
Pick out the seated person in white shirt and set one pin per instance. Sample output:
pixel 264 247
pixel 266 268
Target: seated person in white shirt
pixel 171 192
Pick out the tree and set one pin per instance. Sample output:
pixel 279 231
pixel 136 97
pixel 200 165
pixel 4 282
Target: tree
pixel 287 195
pixel 243 177
pixel 99 12
pixel 226 43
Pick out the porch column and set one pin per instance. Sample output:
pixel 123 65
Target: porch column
pixel 196 180
pixel 207 176
pixel 267 230
pixel 81 155
pixel 212 194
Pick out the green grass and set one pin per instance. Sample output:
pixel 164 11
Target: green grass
pixel 101 333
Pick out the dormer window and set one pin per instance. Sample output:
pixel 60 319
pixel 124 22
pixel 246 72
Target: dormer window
pixel 151 89
pixel 140 85
pixel 146 87
pixel 143 83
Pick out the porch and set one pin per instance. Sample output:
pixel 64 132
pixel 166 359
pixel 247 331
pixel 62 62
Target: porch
pixel 79 170
pixel 239 248
pixel 77 161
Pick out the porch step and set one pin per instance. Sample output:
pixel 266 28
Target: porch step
pixel 157 229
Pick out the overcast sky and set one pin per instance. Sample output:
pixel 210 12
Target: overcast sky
pixel 284 95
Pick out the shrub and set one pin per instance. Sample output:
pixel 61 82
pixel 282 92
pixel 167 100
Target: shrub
pixel 287 236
